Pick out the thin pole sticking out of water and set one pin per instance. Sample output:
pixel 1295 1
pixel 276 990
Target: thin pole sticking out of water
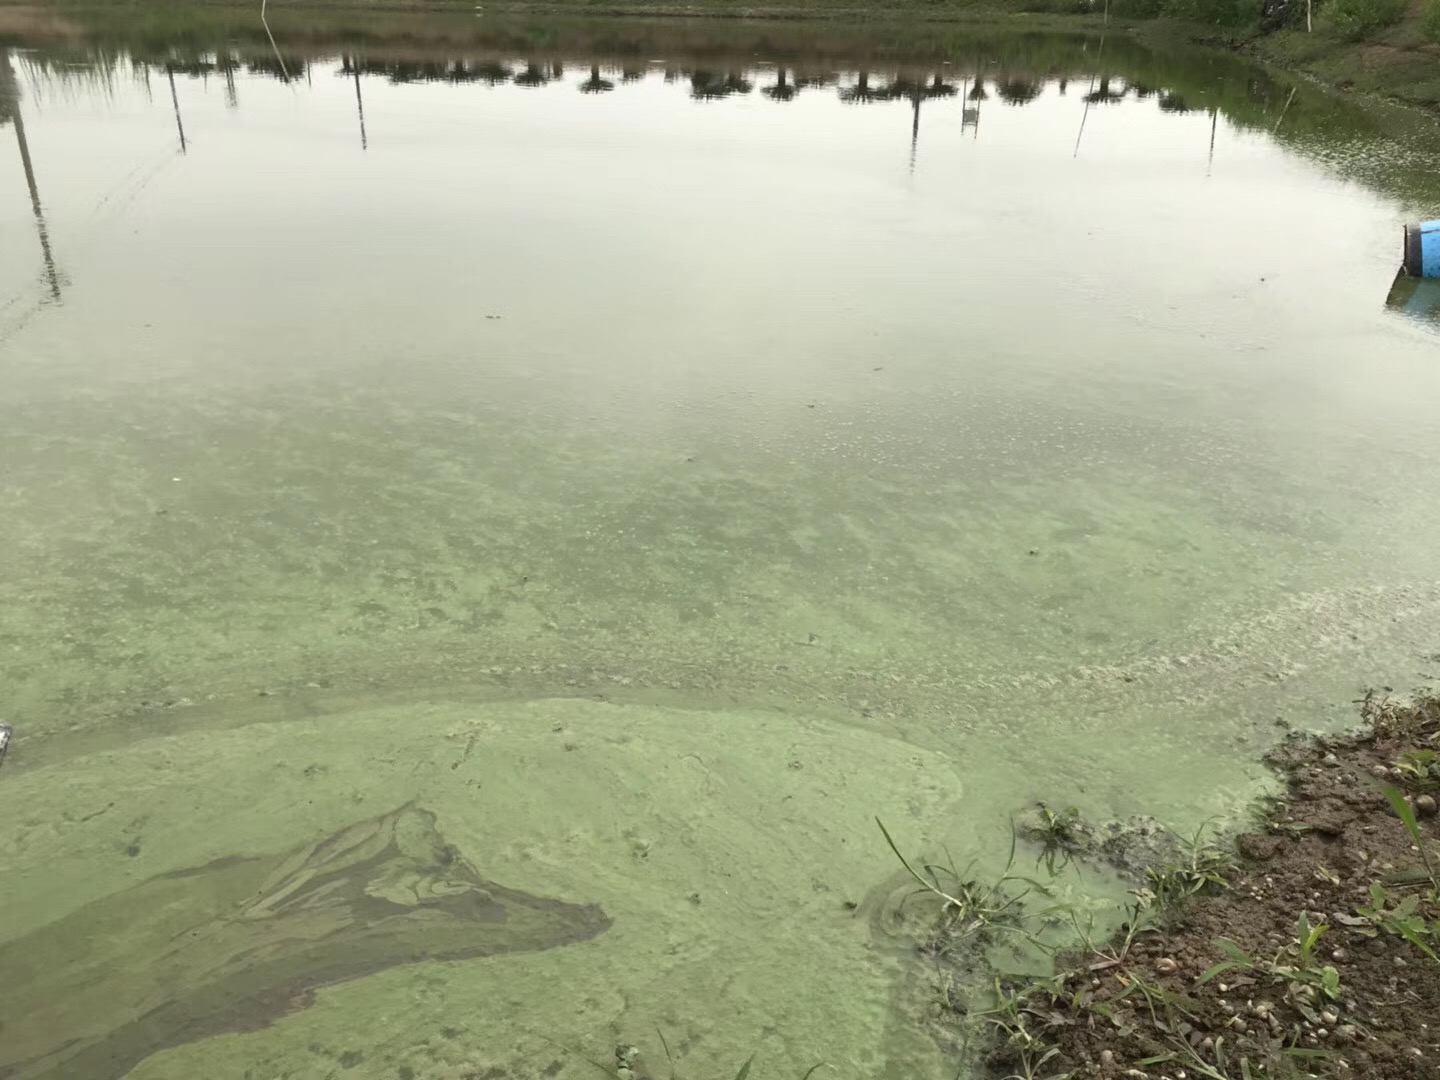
pixel 915 135
pixel 7 76
pixel 280 59
pixel 1100 54
pixel 1214 121
pixel 1284 111
pixel 360 107
pixel 175 100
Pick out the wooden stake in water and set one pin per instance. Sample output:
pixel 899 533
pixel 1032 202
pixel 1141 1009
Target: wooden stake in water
pixel 265 23
pixel 175 100
pixel 11 89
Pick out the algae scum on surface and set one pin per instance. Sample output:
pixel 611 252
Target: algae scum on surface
pixel 646 482
pixel 239 942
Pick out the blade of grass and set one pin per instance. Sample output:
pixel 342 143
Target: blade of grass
pixel 1406 815
pixel 906 863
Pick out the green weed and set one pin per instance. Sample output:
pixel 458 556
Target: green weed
pixel 1420 768
pixel 1400 918
pixel 1141 918
pixel 1406 814
pixel 1061 837
pixel 973 907
pixel 1295 966
pixel 1204 864
pixel 1012 1018
pixel 1270 1059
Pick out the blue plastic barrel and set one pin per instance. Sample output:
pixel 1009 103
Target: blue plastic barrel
pixel 1422 249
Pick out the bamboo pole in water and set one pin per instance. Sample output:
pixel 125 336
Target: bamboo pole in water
pixel 175 100
pixel 11 90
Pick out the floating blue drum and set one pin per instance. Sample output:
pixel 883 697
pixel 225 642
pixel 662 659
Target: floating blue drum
pixel 1422 250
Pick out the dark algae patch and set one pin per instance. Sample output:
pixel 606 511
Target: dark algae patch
pixel 1309 949
pixel 237 943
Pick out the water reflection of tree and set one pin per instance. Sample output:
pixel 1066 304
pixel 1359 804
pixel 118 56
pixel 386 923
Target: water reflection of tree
pixel 1173 103
pixel 709 85
pixel 284 68
pixel 1104 94
pixel 978 93
pixel 492 73
pixel 533 75
pixel 862 92
pixel 1014 90
pixel 783 90
pixel 595 84
pixel 917 91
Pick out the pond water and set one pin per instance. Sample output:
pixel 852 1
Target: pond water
pixel 571 479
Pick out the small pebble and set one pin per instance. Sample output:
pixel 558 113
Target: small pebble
pixel 1400 962
pixel 1329 1017
pixel 1166 966
pixel 1107 1057
pixel 1330 759
pixel 1425 806
pixel 1337 954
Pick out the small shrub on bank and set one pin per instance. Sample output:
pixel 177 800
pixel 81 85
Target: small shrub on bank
pixel 1357 18
pixel 1059 7
pixel 1212 12
pixel 1430 21
pixel 1142 9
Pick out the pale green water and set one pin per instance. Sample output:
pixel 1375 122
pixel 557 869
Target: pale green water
pixel 657 490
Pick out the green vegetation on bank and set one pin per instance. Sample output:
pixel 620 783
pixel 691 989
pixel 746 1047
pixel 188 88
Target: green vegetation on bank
pixel 1278 957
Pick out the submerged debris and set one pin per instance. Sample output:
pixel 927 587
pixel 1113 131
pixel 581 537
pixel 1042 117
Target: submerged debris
pixel 7 733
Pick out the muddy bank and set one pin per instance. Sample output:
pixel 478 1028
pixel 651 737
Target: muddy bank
pixel 1307 948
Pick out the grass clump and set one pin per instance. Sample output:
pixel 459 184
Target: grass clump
pixel 1430 21
pixel 1222 13
pixel 1204 864
pixel 970 907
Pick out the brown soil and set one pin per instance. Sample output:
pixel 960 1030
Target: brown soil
pixel 1325 843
